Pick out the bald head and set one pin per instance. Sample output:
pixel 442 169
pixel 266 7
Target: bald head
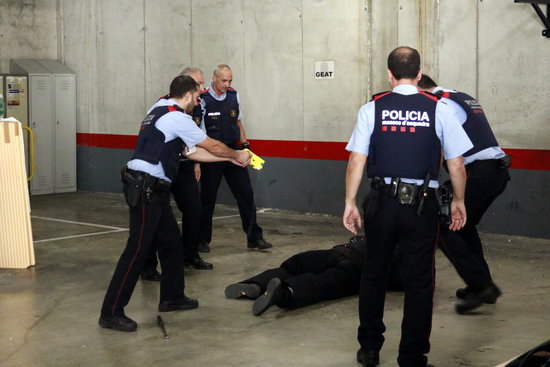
pixel 404 63
pixel 196 74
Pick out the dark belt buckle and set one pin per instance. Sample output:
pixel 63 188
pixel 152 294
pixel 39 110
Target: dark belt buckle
pixel 406 193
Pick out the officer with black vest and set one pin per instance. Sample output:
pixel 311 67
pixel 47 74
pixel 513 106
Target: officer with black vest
pixel 402 132
pixel 487 168
pixel 222 118
pixel 310 277
pixel 186 194
pixel 163 135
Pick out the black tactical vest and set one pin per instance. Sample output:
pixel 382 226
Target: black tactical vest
pixel 404 143
pixel 476 125
pixel 220 117
pixel 151 147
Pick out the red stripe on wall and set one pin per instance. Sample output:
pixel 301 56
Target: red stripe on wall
pixel 529 159
pixel 106 141
pixel 532 159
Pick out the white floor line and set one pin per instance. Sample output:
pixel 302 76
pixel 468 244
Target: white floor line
pixel 113 229
pixel 80 235
pixel 79 223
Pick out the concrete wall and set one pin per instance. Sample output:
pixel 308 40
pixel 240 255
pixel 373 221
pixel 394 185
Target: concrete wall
pixel 126 52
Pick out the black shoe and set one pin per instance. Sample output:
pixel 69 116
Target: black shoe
pixel 245 290
pixel 272 295
pixel 184 303
pixel 198 263
pixel 462 293
pixel 474 299
pixel 259 244
pixel 369 358
pixel 117 322
pixel 153 275
pixel 204 247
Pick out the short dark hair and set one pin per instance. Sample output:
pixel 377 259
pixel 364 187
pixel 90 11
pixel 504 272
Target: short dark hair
pixel 426 82
pixel 181 85
pixel 404 63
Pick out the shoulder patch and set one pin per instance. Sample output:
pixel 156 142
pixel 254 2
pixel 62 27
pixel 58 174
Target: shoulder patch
pixel 380 95
pixel 431 96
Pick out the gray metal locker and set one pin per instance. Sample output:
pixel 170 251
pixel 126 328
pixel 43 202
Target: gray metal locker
pixel 64 85
pixel 16 104
pixel 52 116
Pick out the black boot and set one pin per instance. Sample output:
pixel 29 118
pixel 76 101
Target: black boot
pixel 476 298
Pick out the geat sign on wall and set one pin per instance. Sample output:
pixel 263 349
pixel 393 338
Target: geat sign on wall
pixel 324 69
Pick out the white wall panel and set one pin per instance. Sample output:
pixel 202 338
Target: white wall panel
pixel 334 31
pixel 104 45
pixel 408 23
pixel 80 42
pixel 27 30
pixel 167 44
pixel 457 66
pixel 218 37
pixel 513 74
pixel 272 97
pixel 121 74
pixel 384 39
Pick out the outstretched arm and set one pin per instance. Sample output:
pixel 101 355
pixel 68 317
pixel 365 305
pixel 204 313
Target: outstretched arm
pixel 354 174
pixel 457 173
pixel 220 150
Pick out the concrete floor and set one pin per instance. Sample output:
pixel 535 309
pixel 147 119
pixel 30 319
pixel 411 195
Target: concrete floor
pixel 49 313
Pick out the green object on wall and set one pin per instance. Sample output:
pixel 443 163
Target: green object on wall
pixel 2 107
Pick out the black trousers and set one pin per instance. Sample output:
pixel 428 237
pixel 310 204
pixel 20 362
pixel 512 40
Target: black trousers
pixel 185 190
pixel 238 180
pixel 389 224
pixel 314 276
pixel 483 186
pixel 468 266
pixel 149 222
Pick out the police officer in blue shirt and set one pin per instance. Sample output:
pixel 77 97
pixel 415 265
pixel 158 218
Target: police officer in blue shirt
pixel 222 119
pixel 146 179
pixel 186 194
pixel 487 168
pixel 402 132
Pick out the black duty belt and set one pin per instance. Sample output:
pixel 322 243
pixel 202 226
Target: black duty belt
pixel 406 193
pixel 501 163
pixel 128 174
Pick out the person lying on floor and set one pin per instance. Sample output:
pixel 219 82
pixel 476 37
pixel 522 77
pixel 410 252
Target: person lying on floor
pixel 309 277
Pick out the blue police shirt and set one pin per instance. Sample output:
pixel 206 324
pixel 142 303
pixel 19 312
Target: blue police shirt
pixel 489 153
pixel 454 139
pixel 173 125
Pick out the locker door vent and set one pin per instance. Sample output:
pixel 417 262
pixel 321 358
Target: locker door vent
pixel 65 85
pixel 41 84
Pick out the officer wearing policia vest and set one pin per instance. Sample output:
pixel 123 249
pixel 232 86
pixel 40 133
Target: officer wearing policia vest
pixel 402 133
pixel 222 119
pixel 146 179
pixel 487 168
pixel 185 191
